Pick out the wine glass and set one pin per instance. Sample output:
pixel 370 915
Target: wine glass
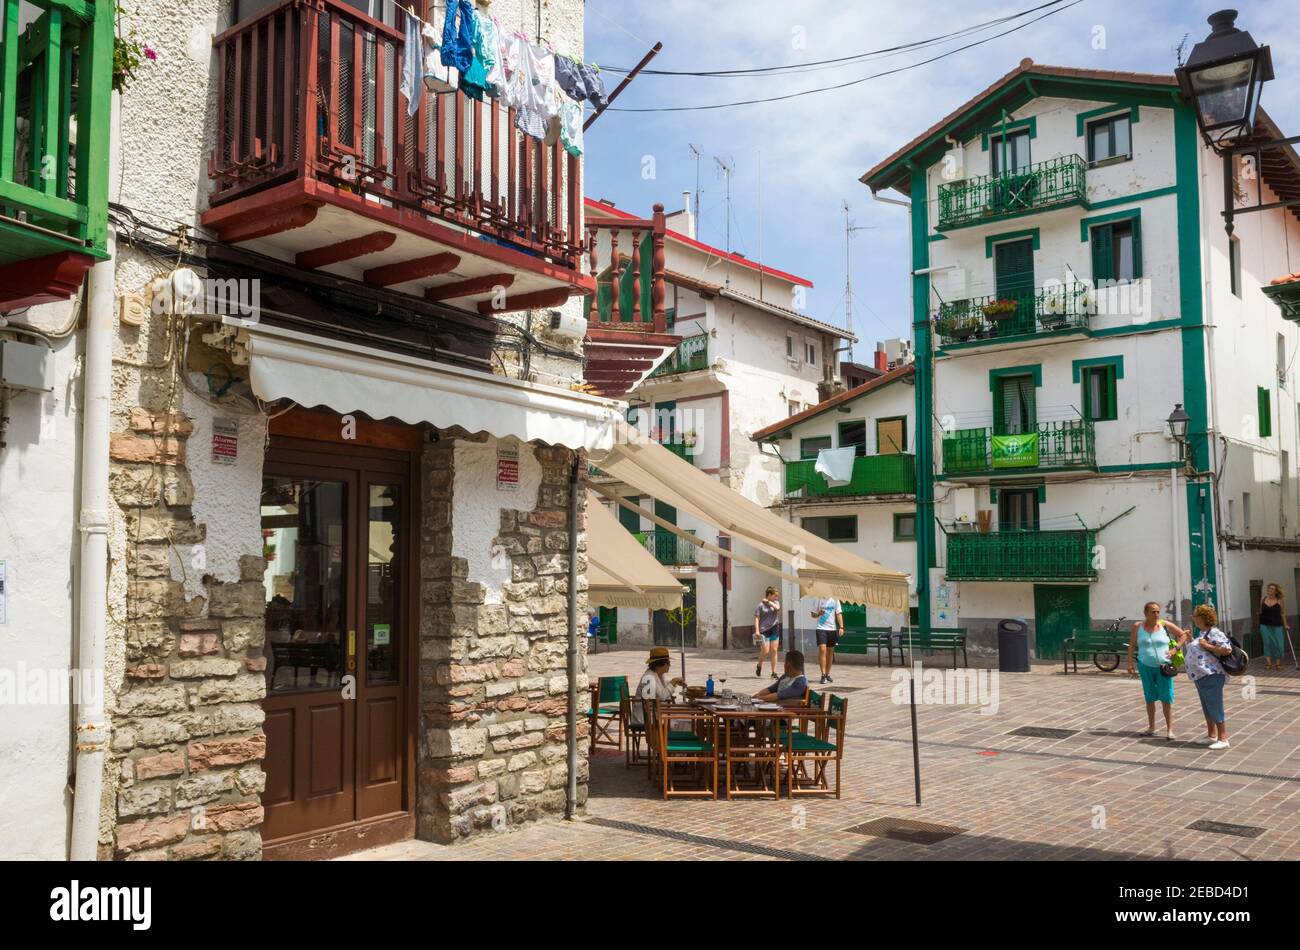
pixel 722 678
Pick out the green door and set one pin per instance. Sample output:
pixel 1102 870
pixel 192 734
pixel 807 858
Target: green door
pixel 609 623
pixel 665 543
pixel 855 617
pixel 1059 612
pixel 1014 268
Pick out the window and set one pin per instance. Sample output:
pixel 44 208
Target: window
pixel 854 434
pixel 1117 250
pixel 840 529
pixel 810 357
pixel 1015 410
pixel 1234 266
pixel 1016 148
pixel 1232 515
pixel 891 435
pixel 905 527
pixel 1245 513
pixel 1099 402
pixel 1109 138
pixel 1265 413
pixel 1018 509
pixel 808 448
pixel 1281 359
pixel 789 346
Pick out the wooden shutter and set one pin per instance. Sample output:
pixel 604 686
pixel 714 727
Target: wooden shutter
pixel 1103 253
pixel 1137 248
pixel 1014 265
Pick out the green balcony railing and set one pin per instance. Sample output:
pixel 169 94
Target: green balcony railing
pixel 1020 314
pixel 681 450
pixel 1022 556
pixel 1051 445
pixel 872 475
pixel 691 354
pixel 669 549
pixel 1287 296
pixel 55 110
pixel 1052 184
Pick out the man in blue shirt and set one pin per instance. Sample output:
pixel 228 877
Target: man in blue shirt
pixel 791 688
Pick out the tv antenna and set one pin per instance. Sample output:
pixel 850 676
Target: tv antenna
pixel 727 168
pixel 850 229
pixel 695 150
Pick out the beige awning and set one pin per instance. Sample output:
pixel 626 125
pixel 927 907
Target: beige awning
pixel 620 572
pixel 824 569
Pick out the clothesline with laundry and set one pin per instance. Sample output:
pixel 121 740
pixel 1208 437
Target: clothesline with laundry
pixel 476 55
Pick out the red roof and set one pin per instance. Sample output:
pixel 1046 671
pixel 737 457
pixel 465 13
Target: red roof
pixel 614 212
pixel 893 375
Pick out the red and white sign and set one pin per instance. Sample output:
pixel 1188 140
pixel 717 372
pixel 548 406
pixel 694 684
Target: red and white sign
pixel 507 469
pixel 225 441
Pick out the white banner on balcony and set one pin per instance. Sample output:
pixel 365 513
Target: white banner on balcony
pixel 836 465
pixel 317 371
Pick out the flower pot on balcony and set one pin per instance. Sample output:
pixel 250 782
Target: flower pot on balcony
pixel 1052 321
pixel 999 310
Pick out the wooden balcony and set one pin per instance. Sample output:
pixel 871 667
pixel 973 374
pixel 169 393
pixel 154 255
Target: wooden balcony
pixel 872 475
pixel 1021 556
pixel 318 162
pixel 55 109
pixel 627 324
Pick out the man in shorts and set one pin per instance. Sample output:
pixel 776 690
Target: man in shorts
pixel 830 627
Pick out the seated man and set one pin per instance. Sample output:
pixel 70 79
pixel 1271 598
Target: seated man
pixel 790 689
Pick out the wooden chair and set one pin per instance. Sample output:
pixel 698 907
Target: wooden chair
pixel 606 712
pixel 819 746
pixel 751 752
pixel 696 746
pixel 635 733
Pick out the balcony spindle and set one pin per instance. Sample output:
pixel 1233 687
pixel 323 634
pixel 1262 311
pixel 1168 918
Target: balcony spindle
pixel 636 278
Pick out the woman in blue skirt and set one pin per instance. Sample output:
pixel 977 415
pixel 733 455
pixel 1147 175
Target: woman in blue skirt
pixel 1150 640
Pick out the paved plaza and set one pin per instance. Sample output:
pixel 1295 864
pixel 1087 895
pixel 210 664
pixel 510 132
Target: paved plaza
pixel 1095 790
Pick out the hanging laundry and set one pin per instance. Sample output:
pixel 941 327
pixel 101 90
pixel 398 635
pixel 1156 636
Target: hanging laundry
pixel 457 35
pixel 473 81
pixel 541 96
pixel 836 465
pixel 568 74
pixel 488 48
pixel 411 87
pixel 571 119
pixel 512 91
pixel 437 77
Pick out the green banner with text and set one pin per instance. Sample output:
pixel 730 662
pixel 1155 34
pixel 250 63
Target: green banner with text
pixel 1015 451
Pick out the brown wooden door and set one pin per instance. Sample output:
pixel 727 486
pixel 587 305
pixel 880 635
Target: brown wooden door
pixel 337 532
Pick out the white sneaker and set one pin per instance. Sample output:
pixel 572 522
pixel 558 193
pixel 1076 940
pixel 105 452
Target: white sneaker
pixel 1205 740
pixel 1219 744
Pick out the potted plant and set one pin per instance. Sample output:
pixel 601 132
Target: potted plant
pixel 1003 308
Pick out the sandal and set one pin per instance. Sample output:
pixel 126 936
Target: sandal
pixel 1147 732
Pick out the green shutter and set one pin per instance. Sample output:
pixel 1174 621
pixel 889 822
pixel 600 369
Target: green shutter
pixel 1103 253
pixel 1014 265
pixel 1137 248
pixel 630 519
pixel 1265 413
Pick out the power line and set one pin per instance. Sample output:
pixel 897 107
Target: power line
pixel 852 82
pixel 841 60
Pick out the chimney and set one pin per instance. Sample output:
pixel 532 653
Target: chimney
pixel 882 363
pixel 690 214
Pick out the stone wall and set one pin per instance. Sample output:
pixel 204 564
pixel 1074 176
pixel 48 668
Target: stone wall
pixel 187 717
pixel 493 683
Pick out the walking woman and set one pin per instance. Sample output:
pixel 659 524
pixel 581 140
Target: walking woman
pixel 1203 649
pixel 1150 639
pixel 767 629
pixel 1274 626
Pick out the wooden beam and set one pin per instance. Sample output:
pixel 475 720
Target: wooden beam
pixel 413 269
pixel 252 228
pixel 536 300
pixel 346 250
pixel 469 288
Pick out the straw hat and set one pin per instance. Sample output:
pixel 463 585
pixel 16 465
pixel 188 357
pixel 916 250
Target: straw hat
pixel 658 653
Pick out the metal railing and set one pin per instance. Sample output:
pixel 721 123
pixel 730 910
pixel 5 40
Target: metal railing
pixel 691 354
pixel 669 549
pixel 872 475
pixel 1050 184
pixel 1016 314
pixel 1050 445
pixel 1022 556
pixel 682 450
pixel 310 90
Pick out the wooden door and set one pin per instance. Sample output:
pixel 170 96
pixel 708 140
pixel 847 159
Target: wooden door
pixel 1059 612
pixel 337 534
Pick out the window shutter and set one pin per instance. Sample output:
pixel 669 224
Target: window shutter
pixel 1112 396
pixel 1137 248
pixel 1103 253
pixel 1265 413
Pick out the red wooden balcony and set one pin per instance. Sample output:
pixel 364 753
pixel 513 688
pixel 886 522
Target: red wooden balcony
pixel 627 323
pixel 317 162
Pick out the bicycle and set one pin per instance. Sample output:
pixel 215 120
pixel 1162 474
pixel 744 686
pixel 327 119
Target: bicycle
pixel 1108 662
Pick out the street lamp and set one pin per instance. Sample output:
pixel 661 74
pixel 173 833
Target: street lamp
pixel 1222 78
pixel 1178 420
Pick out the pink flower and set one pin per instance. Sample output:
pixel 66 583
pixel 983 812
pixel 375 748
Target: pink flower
pixel 149 53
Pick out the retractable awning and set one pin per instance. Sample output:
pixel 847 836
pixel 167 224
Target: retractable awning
pixel 318 371
pixel 620 572
pixel 823 568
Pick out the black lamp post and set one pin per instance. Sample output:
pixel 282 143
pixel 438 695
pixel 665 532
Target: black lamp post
pixel 1222 79
pixel 1178 420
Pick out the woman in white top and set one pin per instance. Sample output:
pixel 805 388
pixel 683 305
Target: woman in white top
pixel 654 683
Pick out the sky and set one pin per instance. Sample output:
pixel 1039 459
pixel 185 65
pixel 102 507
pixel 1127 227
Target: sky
pixel 795 162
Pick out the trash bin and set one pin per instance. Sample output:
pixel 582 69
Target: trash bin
pixel 1013 646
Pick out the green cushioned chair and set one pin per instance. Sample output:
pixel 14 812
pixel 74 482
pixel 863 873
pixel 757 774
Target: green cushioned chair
pixel 607 714
pixel 818 749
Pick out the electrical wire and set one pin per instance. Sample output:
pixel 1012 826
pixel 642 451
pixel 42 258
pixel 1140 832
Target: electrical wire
pixel 838 61
pixel 852 82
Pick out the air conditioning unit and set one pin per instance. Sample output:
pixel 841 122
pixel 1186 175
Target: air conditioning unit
pixel 898 352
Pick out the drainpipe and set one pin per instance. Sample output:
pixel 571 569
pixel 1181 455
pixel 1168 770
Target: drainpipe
pixel 1177 546
pixel 571 728
pixel 92 595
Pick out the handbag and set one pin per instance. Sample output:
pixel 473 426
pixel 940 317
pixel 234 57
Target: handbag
pixel 1235 663
pixel 1167 669
pixel 758 639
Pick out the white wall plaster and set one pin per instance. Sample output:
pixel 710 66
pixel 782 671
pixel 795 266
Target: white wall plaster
pixel 477 504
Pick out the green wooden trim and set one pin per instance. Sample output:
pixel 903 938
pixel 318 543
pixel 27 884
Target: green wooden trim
pixel 898 536
pixel 1082 119
pixel 839 432
pixel 1086 224
pixel 1010 236
pixel 1015 125
pixel 922 333
pixel 1140 467
pixel 1116 361
pixel 938 237
pixel 94 118
pixel 902 449
pixel 1031 369
pixel 1152 327
pixel 1128 199
pixel 1264 411
pixel 8 85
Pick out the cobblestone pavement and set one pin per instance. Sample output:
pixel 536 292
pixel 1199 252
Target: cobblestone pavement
pixel 1100 792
